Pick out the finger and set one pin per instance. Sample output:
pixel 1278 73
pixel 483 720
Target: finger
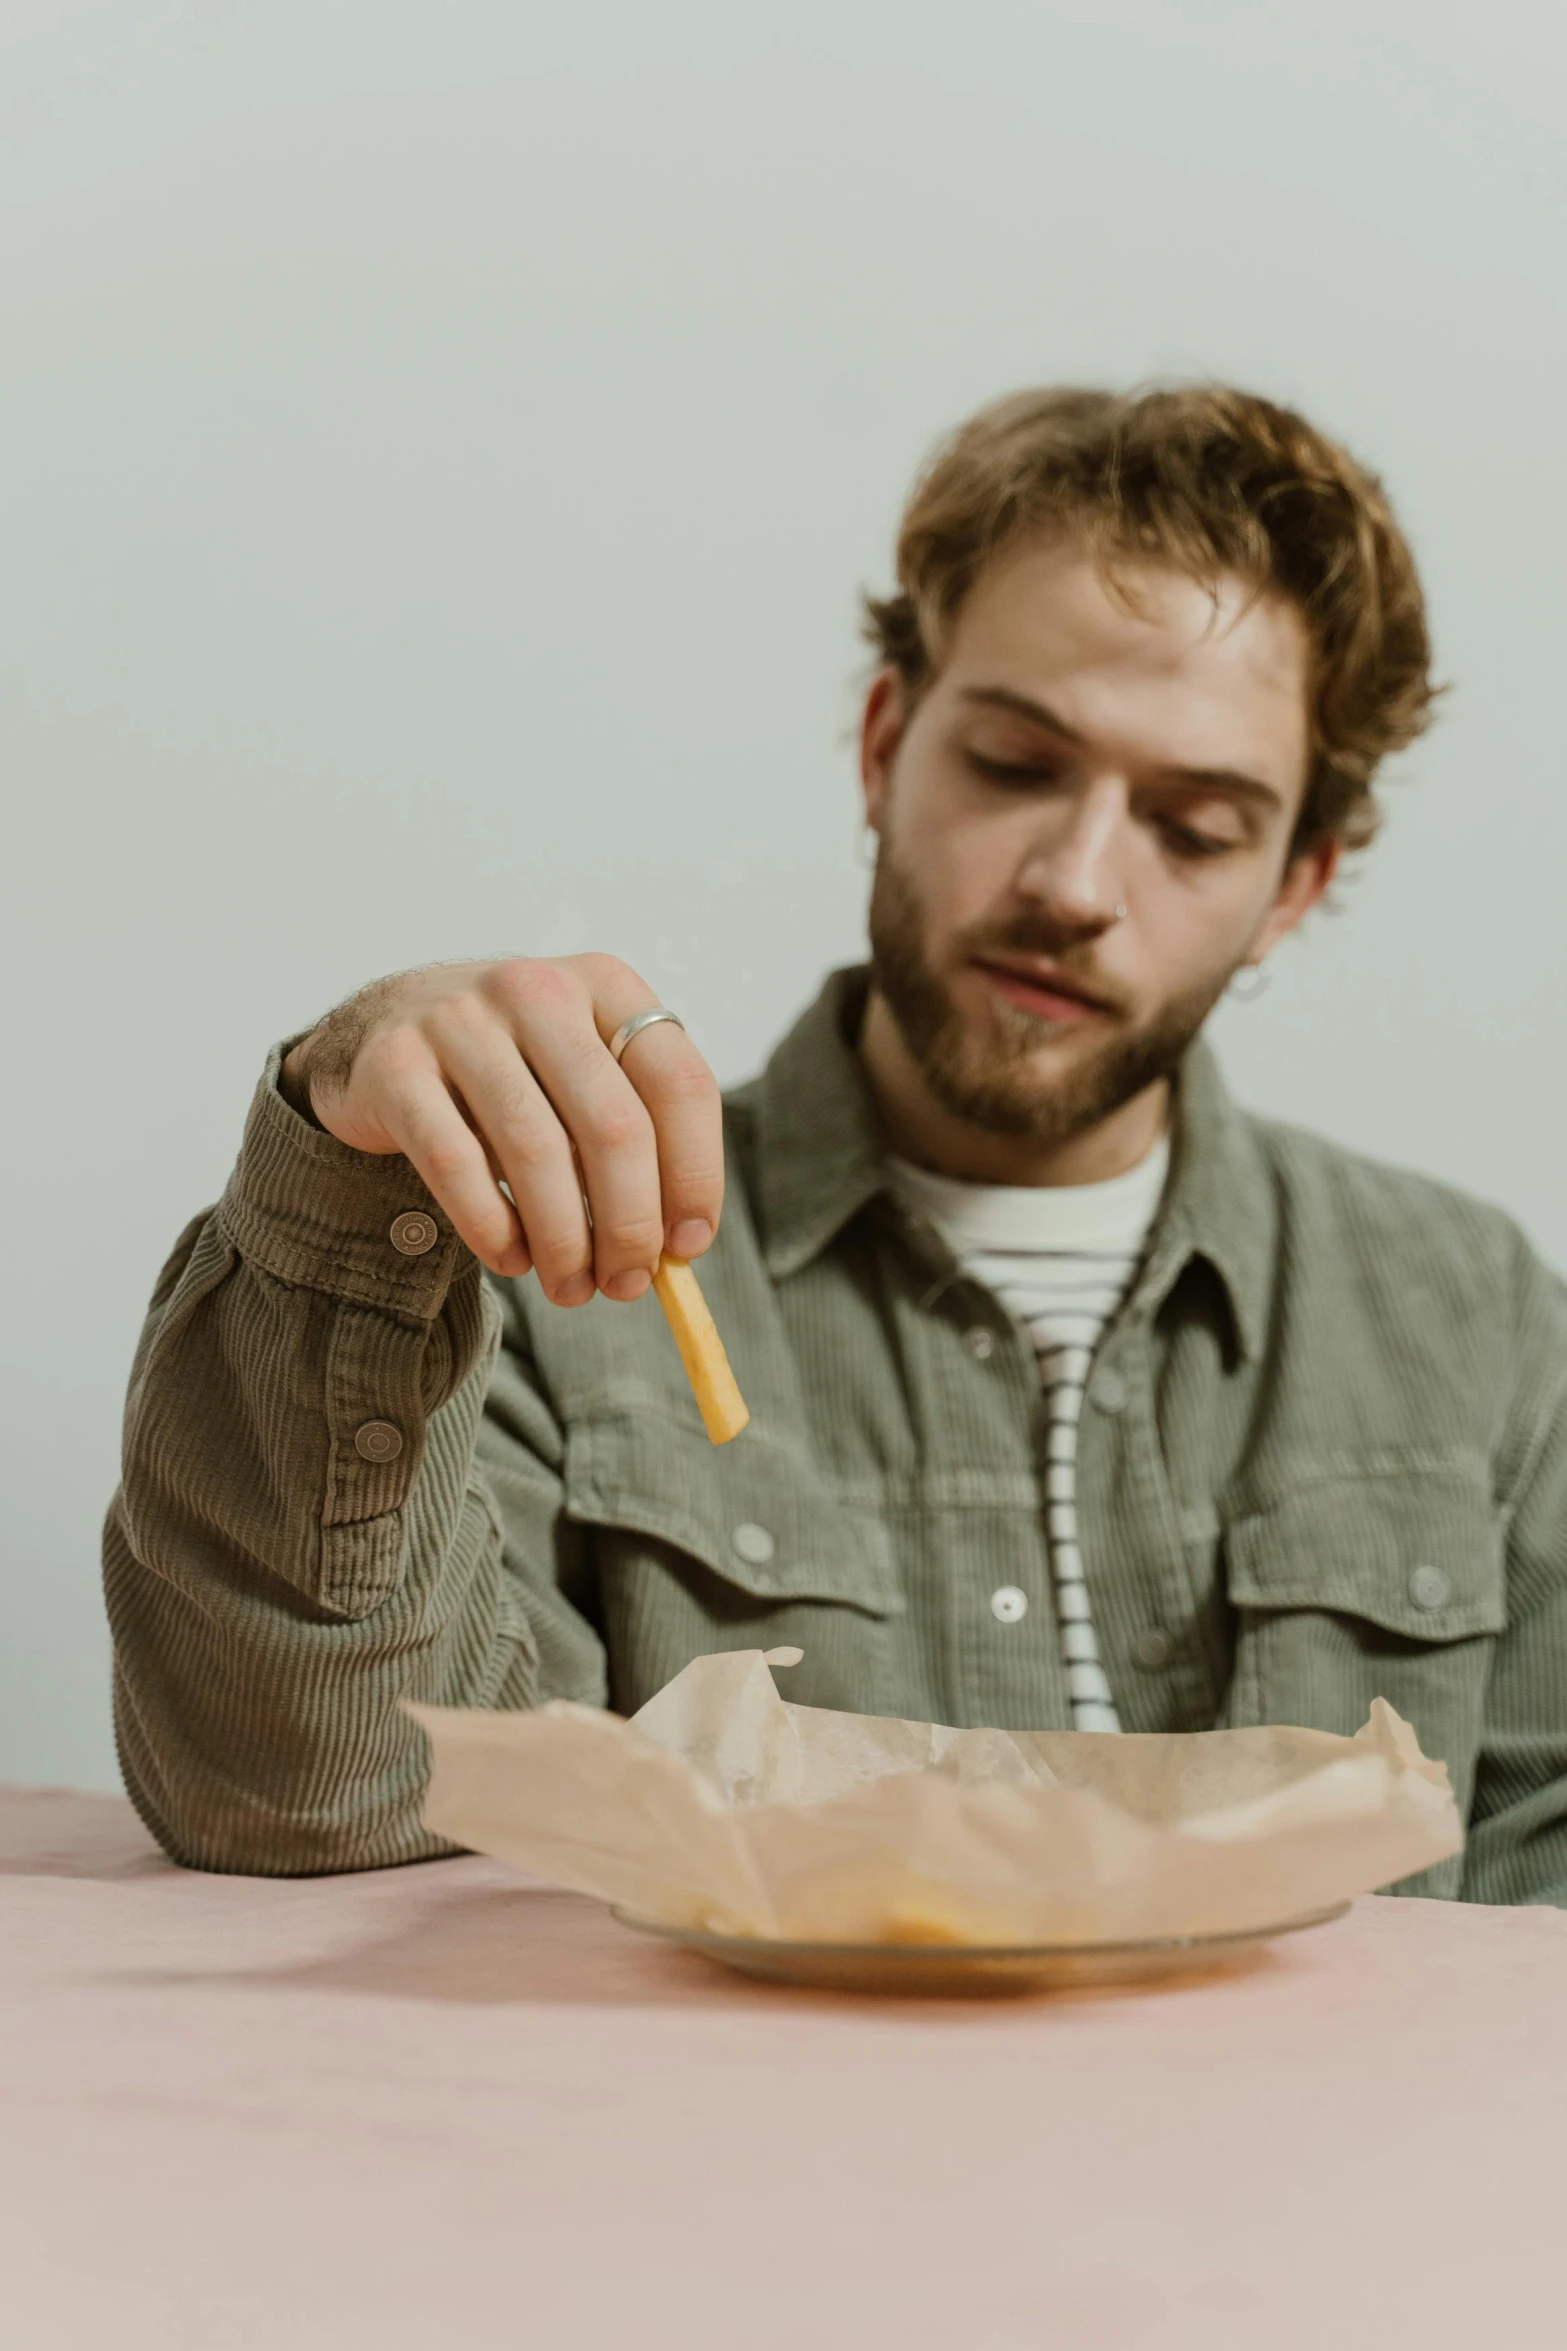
pixel 521 1131
pixel 682 1099
pixel 434 1137
pixel 551 1019
pixel 495 1167
pixel 680 1094
pixel 617 1154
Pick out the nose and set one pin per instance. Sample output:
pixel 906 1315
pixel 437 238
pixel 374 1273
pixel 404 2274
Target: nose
pixel 1072 867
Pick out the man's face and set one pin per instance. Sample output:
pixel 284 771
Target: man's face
pixel 1072 758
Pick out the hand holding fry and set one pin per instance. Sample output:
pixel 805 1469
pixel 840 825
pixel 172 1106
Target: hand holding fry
pixel 492 1075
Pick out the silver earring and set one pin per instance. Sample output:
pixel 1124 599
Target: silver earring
pixel 1261 980
pixel 869 844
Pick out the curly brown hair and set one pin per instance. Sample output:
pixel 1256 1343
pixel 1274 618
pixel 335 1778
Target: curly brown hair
pixel 1210 481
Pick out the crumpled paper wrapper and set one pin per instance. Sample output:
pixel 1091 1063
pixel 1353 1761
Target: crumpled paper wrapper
pixel 720 1807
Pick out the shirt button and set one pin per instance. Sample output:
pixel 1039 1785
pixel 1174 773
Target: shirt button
pixel 980 1343
pixel 1151 1649
pixel 753 1543
pixel 1109 1391
pixel 1009 1604
pixel 1427 1587
pixel 378 1441
pixel 414 1233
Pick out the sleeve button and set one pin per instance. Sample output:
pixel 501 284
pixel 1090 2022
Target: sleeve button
pixel 1427 1587
pixel 1109 1391
pixel 980 1343
pixel 414 1233
pixel 378 1441
pixel 1151 1648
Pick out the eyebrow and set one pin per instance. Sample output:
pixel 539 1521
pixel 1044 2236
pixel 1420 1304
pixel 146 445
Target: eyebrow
pixel 1040 714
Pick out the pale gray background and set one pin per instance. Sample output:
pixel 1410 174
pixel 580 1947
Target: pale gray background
pixel 440 445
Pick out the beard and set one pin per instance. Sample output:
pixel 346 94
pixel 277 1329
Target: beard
pixel 992 1081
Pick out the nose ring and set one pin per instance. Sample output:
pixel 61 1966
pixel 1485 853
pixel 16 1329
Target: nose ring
pixel 1120 914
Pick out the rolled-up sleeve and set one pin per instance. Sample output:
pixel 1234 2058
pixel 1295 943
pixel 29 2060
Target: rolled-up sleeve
pixel 304 1534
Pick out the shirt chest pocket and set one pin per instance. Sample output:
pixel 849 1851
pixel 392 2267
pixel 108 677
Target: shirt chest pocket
pixel 1387 1584
pixel 699 1547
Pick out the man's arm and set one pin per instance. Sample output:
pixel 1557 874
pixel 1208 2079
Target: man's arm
pixel 302 1536
pixel 1518 1821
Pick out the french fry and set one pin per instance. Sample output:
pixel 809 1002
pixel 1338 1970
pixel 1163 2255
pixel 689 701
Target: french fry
pixel 718 1398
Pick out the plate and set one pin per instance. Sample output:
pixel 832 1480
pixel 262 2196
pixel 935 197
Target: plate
pixel 937 1970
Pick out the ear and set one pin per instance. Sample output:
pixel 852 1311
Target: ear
pixel 881 731
pixel 1306 880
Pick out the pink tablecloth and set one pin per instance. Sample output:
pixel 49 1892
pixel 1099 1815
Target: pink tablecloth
pixel 442 2106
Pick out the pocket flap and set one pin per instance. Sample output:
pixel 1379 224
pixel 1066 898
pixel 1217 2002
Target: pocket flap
pixel 754 1513
pixel 1418 1553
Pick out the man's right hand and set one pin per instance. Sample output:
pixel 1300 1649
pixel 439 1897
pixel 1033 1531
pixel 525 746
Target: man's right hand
pixel 484 1073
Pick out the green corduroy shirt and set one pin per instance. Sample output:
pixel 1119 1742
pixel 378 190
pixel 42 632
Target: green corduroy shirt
pixel 1323 1458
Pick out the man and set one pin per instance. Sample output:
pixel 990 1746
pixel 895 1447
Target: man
pixel 1078 1395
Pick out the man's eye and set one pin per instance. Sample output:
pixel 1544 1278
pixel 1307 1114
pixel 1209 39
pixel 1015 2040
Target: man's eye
pixel 1187 841
pixel 1018 773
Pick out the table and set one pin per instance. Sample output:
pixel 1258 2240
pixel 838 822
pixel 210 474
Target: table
pixel 447 2106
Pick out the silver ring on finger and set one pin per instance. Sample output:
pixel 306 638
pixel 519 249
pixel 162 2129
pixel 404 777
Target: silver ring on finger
pixel 637 1023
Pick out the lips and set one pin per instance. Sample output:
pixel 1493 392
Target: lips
pixel 1042 988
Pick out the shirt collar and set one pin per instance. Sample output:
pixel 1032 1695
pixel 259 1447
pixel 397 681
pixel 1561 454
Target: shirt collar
pixel 1220 1203
pixel 820 1158
pixel 819 1150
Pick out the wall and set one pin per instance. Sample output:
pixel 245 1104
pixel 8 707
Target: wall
pixel 439 447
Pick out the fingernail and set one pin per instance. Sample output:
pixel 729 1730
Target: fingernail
pixel 691 1237
pixel 576 1290
pixel 628 1285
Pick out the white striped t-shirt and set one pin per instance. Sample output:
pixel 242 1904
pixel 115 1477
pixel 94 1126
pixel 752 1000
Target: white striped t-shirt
pixel 1060 1258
